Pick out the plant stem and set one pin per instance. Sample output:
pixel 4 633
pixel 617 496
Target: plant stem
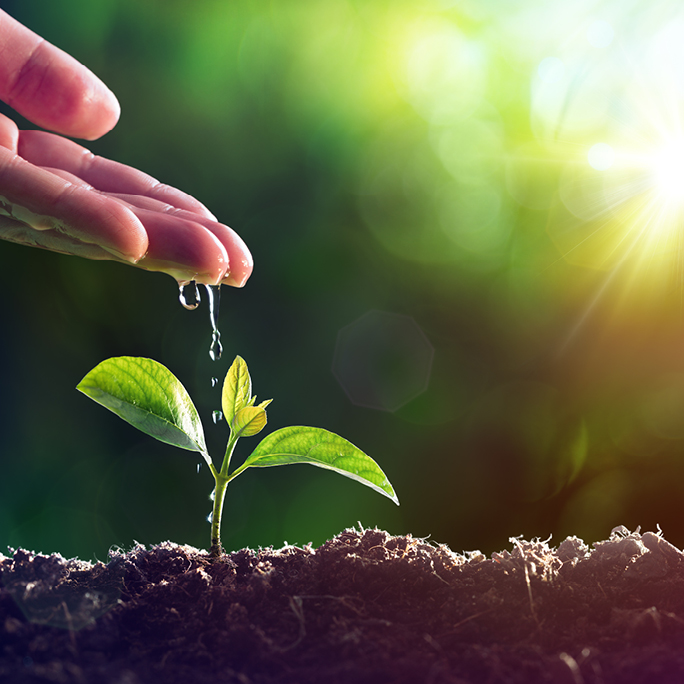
pixel 219 495
pixel 222 479
pixel 232 441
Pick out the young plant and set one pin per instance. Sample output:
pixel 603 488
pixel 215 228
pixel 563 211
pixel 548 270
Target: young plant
pixel 148 396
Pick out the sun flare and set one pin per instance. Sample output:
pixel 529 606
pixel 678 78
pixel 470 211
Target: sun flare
pixel 668 171
pixel 611 124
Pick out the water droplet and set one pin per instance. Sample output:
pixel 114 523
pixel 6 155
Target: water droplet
pixel 210 517
pixel 214 382
pixel 188 295
pixel 214 296
pixel 212 496
pixel 216 348
pixel 216 416
pixel 199 467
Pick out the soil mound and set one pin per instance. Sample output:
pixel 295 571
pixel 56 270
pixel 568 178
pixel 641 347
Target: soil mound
pixel 365 607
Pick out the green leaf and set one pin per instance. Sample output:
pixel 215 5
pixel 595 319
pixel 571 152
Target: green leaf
pixel 237 389
pixel 323 449
pixel 249 421
pixel 148 396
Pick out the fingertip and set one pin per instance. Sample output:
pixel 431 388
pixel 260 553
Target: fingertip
pixel 239 261
pixel 103 116
pixel 239 270
pixel 89 109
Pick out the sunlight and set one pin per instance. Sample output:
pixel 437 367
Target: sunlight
pixel 668 170
pixel 608 115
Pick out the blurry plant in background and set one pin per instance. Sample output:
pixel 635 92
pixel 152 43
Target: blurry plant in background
pixel 507 176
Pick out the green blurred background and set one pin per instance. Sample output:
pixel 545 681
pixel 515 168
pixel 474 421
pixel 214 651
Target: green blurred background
pixel 468 210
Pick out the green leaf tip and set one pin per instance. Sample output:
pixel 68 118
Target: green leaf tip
pixel 321 448
pixel 148 396
pixel 237 389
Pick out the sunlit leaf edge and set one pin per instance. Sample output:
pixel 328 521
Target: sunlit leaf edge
pixel 267 449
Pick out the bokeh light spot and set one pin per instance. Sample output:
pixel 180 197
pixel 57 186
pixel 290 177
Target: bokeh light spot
pixel 600 34
pixel 601 156
pixel 444 73
pixel 469 218
pixel 382 360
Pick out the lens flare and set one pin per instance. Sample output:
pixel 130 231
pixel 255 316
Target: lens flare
pixel 601 156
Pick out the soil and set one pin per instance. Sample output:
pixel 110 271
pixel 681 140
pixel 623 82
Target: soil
pixel 364 607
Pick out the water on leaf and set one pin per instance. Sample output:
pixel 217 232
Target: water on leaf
pixel 214 296
pixel 216 416
pixel 188 295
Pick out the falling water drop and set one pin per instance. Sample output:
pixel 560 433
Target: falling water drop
pixel 199 467
pixel 188 295
pixel 214 382
pixel 214 296
pixel 216 416
pixel 216 348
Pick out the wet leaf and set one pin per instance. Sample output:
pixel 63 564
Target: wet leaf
pixel 147 395
pixel 323 449
pixel 237 389
pixel 249 421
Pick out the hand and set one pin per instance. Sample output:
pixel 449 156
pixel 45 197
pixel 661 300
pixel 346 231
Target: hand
pixel 57 195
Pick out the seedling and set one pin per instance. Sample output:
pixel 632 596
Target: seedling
pixel 148 396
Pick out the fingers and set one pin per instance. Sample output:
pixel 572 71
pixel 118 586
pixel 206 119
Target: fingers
pixel 51 88
pixel 46 149
pixel 45 201
pixel 60 187
pixel 142 192
pixel 182 249
pixel 183 233
pixel 177 242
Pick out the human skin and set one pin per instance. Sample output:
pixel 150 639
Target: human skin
pixel 57 195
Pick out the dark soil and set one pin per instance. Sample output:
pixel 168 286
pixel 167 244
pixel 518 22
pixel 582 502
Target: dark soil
pixel 364 607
